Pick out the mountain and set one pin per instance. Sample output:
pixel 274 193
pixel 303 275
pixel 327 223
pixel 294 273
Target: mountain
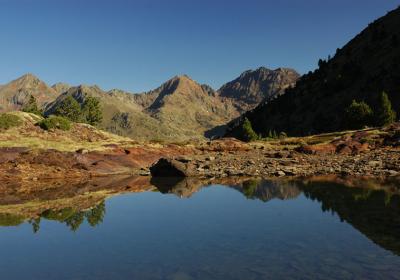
pixel 121 115
pixel 179 109
pixel 361 70
pixel 254 86
pixel 61 87
pixel 185 105
pixel 16 93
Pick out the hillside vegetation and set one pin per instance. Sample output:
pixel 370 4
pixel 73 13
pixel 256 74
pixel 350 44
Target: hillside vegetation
pixel 28 133
pixel 361 71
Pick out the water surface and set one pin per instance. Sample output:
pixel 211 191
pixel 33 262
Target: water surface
pixel 255 229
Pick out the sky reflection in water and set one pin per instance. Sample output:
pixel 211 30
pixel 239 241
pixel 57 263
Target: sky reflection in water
pixel 254 229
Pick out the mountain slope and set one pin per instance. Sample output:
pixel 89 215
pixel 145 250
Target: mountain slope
pixel 121 115
pixel 254 86
pixel 16 93
pixel 366 66
pixel 179 109
pixel 61 87
pixel 183 104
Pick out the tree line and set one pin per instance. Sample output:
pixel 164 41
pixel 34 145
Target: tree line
pixel 66 111
pixel 358 115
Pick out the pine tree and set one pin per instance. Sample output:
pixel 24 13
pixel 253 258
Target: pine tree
pixel 32 107
pixel 248 133
pixel 385 114
pixel 69 108
pixel 91 110
pixel 358 115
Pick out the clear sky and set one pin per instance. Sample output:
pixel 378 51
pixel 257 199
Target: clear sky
pixel 136 45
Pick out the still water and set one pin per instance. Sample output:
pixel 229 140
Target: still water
pixel 254 229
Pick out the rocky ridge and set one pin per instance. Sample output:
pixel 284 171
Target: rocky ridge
pixel 179 109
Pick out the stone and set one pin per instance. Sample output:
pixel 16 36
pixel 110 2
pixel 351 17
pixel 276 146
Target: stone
pixel 184 159
pixel 165 167
pixel 374 163
pixel 392 173
pixel 82 151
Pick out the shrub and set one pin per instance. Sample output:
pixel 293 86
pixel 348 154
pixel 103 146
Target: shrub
pixel 9 120
pixel 385 114
pixel 247 132
pixel 69 108
pixel 282 135
pixel 358 115
pixel 32 107
pixel 273 135
pixel 55 122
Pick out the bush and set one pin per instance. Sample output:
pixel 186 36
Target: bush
pixel 358 115
pixel 282 135
pixel 32 107
pixel 9 120
pixel 55 122
pixel 273 135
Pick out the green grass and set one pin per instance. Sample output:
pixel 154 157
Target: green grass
pixel 8 121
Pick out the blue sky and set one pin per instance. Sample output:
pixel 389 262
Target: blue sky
pixel 137 45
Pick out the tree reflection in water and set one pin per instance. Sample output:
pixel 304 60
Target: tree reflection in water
pixel 371 207
pixel 73 219
pixel 374 212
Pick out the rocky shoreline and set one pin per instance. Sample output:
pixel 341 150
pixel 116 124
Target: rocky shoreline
pixel 374 153
pixel 378 163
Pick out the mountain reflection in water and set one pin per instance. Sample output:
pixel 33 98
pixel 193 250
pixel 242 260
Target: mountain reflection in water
pixel 372 207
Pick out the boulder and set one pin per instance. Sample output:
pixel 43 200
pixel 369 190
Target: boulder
pixel 165 167
pixel 317 149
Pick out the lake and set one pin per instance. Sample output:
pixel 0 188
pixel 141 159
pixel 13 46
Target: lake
pixel 183 229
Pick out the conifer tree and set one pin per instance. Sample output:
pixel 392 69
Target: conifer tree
pixel 32 107
pixel 385 114
pixel 248 133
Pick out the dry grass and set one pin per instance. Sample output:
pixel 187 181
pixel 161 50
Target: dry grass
pixel 81 136
pixel 319 139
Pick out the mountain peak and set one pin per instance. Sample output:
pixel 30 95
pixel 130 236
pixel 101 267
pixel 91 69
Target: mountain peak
pixel 17 92
pixel 183 77
pixel 61 87
pixel 254 86
pixel 27 80
pixel 263 69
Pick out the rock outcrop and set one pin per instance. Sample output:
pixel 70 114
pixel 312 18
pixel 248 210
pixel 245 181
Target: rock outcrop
pixel 253 87
pixel 14 95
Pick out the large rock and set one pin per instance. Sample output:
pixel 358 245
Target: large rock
pixel 317 149
pixel 165 167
